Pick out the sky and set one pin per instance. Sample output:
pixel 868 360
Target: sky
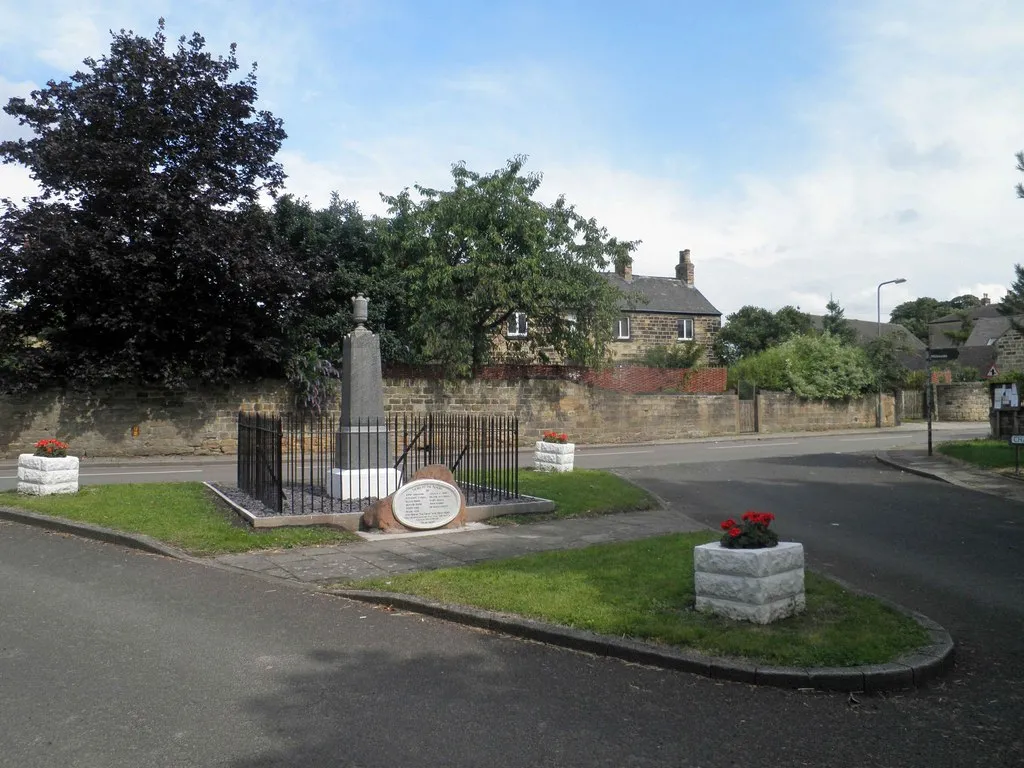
pixel 800 149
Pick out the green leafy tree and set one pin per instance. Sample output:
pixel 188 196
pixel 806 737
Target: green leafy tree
pixel 145 256
pixel 836 324
pixel 1012 305
pixel 915 315
pixel 476 254
pixel 685 355
pixel 335 253
pixel 751 330
pixel 884 354
pixel 812 366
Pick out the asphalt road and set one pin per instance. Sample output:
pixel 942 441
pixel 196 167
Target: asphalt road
pixel 955 555
pixel 114 658
pixel 222 470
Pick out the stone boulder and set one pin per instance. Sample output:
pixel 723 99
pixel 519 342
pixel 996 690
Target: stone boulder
pixel 381 516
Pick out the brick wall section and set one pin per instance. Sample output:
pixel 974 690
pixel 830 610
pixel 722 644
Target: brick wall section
pixel 965 401
pixel 784 412
pixel 203 422
pixel 650 329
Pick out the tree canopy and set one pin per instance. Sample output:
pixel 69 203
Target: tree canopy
pixel 813 366
pixel 915 315
pixel 836 324
pixel 751 329
pixel 478 253
pixel 145 257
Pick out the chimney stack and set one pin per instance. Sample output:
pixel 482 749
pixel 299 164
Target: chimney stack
pixel 985 300
pixel 684 270
pixel 624 269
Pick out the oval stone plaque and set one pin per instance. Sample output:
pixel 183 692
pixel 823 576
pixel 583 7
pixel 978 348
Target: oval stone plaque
pixel 426 504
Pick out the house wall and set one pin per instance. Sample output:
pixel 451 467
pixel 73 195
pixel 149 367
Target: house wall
pixel 202 422
pixel 1010 348
pixel 651 329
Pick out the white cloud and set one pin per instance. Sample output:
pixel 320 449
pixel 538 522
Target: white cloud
pixel 908 168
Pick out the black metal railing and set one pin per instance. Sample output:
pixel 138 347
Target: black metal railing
pixel 378 454
pixel 259 458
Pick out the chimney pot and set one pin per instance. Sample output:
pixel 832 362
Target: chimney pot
pixel 684 270
pixel 624 269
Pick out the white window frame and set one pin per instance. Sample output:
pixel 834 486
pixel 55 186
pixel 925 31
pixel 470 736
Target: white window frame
pixel 518 326
pixel 684 323
pixel 618 329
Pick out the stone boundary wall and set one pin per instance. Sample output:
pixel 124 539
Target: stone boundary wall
pixel 964 401
pixel 637 379
pixel 132 421
pixel 785 412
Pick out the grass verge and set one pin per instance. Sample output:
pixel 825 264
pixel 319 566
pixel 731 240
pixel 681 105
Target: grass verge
pixel 184 515
pixel 580 493
pixel 988 454
pixel 644 589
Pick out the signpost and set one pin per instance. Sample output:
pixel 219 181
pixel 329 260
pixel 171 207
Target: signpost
pixel 934 356
pixel 1016 441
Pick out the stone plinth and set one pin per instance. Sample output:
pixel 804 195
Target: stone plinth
pixel 44 476
pixel 554 457
pixel 757 585
pixel 381 516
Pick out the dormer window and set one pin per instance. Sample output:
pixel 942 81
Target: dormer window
pixel 516 326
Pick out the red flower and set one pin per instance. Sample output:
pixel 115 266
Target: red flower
pixel 734 532
pixel 730 523
pixel 563 437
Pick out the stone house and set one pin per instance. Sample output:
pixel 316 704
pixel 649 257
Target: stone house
pixel 662 311
pixel 992 347
pixel 656 311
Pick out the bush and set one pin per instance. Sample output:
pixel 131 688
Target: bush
pixel 815 367
pixel 685 355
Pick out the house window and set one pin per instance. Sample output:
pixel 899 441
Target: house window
pixel 685 329
pixel 516 326
pixel 622 328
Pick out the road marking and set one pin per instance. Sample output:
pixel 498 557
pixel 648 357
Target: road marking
pixel 754 445
pixel 612 453
pixel 859 439
pixel 146 472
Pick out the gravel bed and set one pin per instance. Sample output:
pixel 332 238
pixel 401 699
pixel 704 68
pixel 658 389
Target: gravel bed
pixel 306 501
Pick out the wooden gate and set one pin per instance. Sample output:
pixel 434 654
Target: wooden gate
pixel 746 407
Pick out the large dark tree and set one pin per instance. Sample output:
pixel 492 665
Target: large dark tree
pixel 477 253
pixel 146 255
pixel 751 329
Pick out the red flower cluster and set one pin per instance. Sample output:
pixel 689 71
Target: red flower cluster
pixel 758 518
pixel 751 533
pixel 52 448
pixel 555 437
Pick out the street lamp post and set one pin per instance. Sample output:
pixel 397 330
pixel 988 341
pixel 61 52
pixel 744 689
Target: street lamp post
pixel 878 380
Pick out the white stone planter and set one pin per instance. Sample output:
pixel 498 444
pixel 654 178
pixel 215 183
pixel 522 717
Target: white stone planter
pixel 758 585
pixel 43 476
pixel 553 457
